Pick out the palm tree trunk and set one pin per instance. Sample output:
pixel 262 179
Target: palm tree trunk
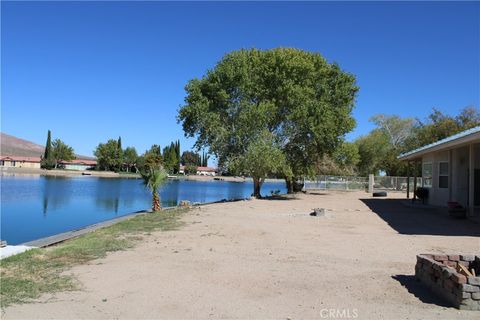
pixel 156 202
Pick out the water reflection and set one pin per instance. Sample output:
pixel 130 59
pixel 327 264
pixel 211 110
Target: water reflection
pixel 39 206
pixel 56 192
pixel 108 194
pixel 169 194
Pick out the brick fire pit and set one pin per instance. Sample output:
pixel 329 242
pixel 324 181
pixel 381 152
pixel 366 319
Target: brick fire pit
pixel 439 273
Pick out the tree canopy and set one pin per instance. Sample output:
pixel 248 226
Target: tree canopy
pixel 56 152
pixel 151 158
pixel 190 158
pixel 153 178
pixel 262 158
pixel 394 135
pixel 303 101
pixel 130 157
pixel 171 157
pixel 108 155
pixel 61 152
pixel 343 161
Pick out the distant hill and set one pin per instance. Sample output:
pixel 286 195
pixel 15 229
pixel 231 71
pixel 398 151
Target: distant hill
pixel 13 146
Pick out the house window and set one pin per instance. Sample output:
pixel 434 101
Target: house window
pixel 2 163
pixel 443 174
pixel 427 175
pixel 13 163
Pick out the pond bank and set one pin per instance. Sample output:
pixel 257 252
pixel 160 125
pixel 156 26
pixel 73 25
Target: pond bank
pixel 40 271
pixel 111 174
pixel 269 259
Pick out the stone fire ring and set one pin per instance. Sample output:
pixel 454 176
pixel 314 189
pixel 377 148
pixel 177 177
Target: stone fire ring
pixel 439 273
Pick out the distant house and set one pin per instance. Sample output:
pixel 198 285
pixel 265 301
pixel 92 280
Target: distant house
pixel 451 169
pixel 79 164
pixel 206 171
pixel 19 162
pixel 34 162
pixel 201 171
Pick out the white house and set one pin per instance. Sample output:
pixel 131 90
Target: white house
pixel 201 171
pixel 79 164
pixel 451 169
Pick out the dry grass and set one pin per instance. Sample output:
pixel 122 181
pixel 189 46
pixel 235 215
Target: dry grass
pixel 26 276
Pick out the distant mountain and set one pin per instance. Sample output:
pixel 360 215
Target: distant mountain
pixel 13 146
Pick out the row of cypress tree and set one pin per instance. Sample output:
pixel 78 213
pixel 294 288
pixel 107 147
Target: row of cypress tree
pixel 171 157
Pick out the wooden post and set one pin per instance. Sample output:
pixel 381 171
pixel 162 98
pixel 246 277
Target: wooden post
pixel 414 180
pixel 450 175
pixel 408 179
pixel 471 172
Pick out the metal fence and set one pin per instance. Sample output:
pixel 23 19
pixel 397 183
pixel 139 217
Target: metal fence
pixel 336 183
pixel 386 183
pixel 394 183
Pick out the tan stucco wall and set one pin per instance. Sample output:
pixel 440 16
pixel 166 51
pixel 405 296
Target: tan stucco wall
pixel 437 196
pixel 21 164
pixel 458 177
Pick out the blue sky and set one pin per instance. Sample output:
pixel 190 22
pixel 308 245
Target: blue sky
pixel 97 70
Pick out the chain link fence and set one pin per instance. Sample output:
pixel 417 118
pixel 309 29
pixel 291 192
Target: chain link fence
pixel 388 183
pixel 385 183
pixel 336 183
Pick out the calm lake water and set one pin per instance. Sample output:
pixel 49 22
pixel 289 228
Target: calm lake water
pixel 34 207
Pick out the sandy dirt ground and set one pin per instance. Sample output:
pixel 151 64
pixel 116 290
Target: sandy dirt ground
pixel 270 259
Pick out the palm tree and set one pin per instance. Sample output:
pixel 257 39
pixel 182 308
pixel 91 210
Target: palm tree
pixel 153 178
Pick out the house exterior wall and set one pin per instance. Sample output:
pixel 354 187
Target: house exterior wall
pixel 28 164
pixel 437 195
pixel 19 164
pixel 458 175
pixel 79 167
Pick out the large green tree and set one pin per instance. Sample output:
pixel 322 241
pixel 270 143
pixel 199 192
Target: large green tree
pixel 130 158
pixel 439 125
pixel 394 135
pixel 108 155
pixel 301 99
pixel 151 158
pixel 262 158
pixel 61 152
pixel 190 158
pixel 372 148
pixel 380 148
pixel 342 162
pixel 171 159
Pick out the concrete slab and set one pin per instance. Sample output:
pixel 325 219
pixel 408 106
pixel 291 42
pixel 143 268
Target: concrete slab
pixel 13 250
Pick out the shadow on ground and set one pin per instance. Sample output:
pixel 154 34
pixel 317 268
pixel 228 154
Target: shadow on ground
pixel 407 220
pixel 318 193
pixel 419 290
pixel 279 197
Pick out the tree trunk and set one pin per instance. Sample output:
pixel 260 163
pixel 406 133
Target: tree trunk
pixel 289 184
pixel 156 202
pixel 257 185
